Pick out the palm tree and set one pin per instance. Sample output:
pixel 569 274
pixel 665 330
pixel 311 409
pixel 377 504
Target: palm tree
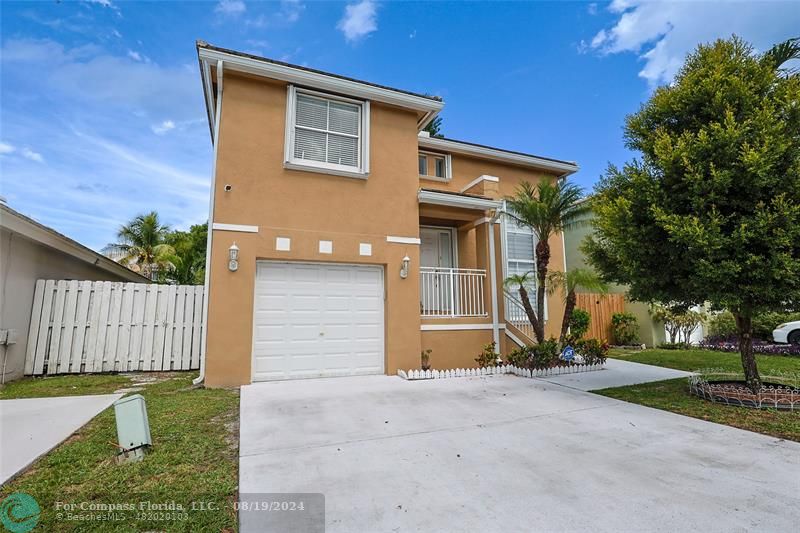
pixel 568 283
pixel 546 208
pixel 142 241
pixel 519 281
pixel 781 53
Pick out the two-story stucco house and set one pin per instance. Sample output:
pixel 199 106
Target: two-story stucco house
pixel 359 240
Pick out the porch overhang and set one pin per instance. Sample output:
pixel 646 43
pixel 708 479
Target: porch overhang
pixel 459 200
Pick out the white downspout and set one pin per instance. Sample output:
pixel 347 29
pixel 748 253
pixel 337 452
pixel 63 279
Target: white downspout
pixel 493 281
pixel 209 240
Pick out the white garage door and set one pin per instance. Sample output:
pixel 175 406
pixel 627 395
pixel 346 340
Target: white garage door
pixel 317 320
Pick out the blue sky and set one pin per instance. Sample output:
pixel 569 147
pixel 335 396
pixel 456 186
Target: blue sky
pixel 102 115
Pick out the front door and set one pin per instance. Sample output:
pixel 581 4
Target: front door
pixel 437 258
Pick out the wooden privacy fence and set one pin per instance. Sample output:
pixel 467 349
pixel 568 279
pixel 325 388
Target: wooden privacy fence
pixel 601 307
pixel 104 326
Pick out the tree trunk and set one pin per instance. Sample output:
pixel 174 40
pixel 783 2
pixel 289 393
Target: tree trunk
pixel 744 327
pixel 542 262
pixel 526 303
pixel 569 307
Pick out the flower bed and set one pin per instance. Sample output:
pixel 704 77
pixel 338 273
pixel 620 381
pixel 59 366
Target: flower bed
pixel 770 396
pixel 758 347
pixel 499 370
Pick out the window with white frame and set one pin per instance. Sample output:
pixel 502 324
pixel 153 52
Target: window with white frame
pixel 520 253
pixel 327 132
pixel 434 166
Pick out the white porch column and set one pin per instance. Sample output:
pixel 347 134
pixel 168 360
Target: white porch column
pixel 492 264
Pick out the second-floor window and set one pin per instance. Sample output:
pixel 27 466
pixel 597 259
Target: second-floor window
pixel 327 132
pixel 434 166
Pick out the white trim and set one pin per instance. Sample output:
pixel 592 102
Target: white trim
pixel 403 240
pixel 324 82
pixel 365 248
pixel 479 179
pixel 283 244
pixel 457 327
pixel 234 227
pixel 497 155
pixel 326 247
pixel 493 280
pixel 515 339
pixel 210 238
pixel 455 200
pixel 290 162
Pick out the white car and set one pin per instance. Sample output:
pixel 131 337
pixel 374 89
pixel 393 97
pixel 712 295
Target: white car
pixel 787 333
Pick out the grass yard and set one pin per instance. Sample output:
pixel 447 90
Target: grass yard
pixel 194 457
pixel 673 395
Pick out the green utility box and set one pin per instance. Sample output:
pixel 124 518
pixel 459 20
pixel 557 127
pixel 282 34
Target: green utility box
pixel 133 428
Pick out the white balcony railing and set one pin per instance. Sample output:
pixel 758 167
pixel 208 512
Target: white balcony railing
pixel 451 292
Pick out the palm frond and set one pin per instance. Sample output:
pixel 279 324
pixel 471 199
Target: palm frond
pixel 781 53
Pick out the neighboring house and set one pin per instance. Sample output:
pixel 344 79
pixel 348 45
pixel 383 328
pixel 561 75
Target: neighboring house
pixel 31 251
pixel 650 333
pixel 359 240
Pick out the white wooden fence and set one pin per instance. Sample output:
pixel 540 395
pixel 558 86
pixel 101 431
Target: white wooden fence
pixel 104 326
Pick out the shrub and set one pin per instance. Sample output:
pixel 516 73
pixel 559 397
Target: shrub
pixel 764 323
pixel 579 323
pixel 722 325
pixel 592 350
pixel 519 357
pixel 674 346
pixel 624 328
pixel 488 357
pixel 544 355
pixel 425 359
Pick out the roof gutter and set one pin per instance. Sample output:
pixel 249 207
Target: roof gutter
pixel 217 115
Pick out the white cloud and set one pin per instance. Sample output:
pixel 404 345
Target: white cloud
pixel 136 56
pixel 412 35
pixel 115 32
pixel 592 8
pixel 662 33
pixel 27 153
pixel 164 127
pixel 6 148
pixel 359 20
pixel 291 9
pixel 231 7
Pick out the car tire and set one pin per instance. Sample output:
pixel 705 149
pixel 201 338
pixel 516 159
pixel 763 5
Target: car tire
pixel 794 337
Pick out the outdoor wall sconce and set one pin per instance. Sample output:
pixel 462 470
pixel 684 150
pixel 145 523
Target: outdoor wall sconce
pixel 233 256
pixel 404 268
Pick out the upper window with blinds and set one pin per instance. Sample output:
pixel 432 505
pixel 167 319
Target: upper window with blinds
pixel 326 133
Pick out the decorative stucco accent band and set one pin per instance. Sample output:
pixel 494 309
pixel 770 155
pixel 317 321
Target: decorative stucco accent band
pixel 403 240
pixel 235 227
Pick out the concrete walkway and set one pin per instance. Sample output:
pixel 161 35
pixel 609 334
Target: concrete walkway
pixel 32 427
pixel 616 374
pixel 504 453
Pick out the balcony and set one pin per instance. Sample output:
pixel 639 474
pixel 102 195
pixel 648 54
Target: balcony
pixel 452 292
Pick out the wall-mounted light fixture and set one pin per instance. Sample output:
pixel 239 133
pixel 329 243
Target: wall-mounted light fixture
pixel 404 267
pixel 233 258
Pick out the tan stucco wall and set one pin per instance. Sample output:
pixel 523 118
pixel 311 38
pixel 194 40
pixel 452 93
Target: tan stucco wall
pixel 307 207
pixel 22 262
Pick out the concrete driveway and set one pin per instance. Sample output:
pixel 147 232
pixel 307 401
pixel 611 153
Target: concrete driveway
pixel 33 426
pixel 504 453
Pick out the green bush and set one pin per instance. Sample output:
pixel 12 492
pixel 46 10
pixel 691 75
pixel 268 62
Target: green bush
pixel 488 357
pixel 545 354
pixel 579 323
pixel 674 346
pixel 592 350
pixel 721 324
pixel 624 328
pixel 519 357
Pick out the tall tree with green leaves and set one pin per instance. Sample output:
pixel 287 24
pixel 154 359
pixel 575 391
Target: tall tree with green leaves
pixel 189 259
pixel 143 243
pixel 547 208
pixel 711 210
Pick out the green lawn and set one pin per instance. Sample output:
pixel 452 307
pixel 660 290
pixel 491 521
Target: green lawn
pixel 673 395
pixel 194 458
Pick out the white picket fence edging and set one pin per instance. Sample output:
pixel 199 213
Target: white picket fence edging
pixel 103 326
pixel 412 374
